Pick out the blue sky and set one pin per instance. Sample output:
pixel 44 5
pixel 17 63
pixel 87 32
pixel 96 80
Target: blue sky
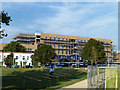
pixel 84 19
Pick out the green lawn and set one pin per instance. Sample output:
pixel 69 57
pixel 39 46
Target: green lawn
pixel 111 83
pixel 12 78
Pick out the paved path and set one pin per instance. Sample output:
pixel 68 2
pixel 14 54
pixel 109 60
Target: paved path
pixel 81 84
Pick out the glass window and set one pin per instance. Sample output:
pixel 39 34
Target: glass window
pixel 16 57
pixel 4 56
pixel 54 39
pixel 58 45
pixel 62 51
pixel 50 39
pixel 54 45
pixel 58 52
pixel 23 57
pixel 27 57
pixel 66 51
pixel 61 38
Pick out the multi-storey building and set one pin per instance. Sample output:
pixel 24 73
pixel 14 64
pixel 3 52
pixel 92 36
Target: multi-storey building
pixel 69 47
pixel 25 38
pixel 65 46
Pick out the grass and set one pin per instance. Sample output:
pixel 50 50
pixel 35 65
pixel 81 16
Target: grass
pixel 111 83
pixel 12 78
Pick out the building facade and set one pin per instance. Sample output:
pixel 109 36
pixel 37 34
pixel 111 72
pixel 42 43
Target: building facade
pixel 25 38
pixel 21 59
pixel 69 47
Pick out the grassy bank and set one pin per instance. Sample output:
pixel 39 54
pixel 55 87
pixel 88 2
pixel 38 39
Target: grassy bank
pixel 12 78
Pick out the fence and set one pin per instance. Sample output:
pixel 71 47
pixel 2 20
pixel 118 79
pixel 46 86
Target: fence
pixel 103 77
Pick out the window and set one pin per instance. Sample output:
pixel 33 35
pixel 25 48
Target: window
pixel 27 57
pixel 46 38
pixel 38 36
pixel 23 57
pixel 66 51
pixel 62 51
pixel 50 39
pixel 16 57
pixel 54 45
pixel 4 56
pixel 58 52
pixel 54 39
pixel 107 48
pixel 59 46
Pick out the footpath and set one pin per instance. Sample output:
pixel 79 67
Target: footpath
pixel 78 85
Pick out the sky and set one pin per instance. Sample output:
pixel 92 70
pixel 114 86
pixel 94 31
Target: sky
pixel 84 19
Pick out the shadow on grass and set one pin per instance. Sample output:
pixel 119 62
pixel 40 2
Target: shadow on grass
pixel 12 78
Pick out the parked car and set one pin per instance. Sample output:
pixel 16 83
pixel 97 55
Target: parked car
pixel 17 66
pixel 58 66
pixel 47 66
pixel 12 66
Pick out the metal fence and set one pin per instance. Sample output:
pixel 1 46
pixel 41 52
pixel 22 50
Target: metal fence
pixel 103 77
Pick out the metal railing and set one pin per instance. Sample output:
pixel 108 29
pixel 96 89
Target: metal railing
pixel 103 77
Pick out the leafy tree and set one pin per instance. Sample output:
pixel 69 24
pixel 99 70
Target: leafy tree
pixel 14 47
pixel 5 18
pixel 9 60
pixel 93 51
pixel 43 54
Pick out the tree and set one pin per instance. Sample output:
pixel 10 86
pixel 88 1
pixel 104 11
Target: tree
pixel 93 51
pixel 9 60
pixel 43 54
pixel 14 47
pixel 5 18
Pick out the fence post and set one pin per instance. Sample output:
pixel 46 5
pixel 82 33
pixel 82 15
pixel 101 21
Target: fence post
pixel 116 79
pixel 105 78
pixel 98 77
pixel 94 77
pixel 88 76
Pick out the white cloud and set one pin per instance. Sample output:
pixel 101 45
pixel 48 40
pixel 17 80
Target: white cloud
pixel 82 20
pixel 79 19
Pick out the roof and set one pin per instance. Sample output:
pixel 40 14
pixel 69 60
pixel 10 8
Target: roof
pixel 72 37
